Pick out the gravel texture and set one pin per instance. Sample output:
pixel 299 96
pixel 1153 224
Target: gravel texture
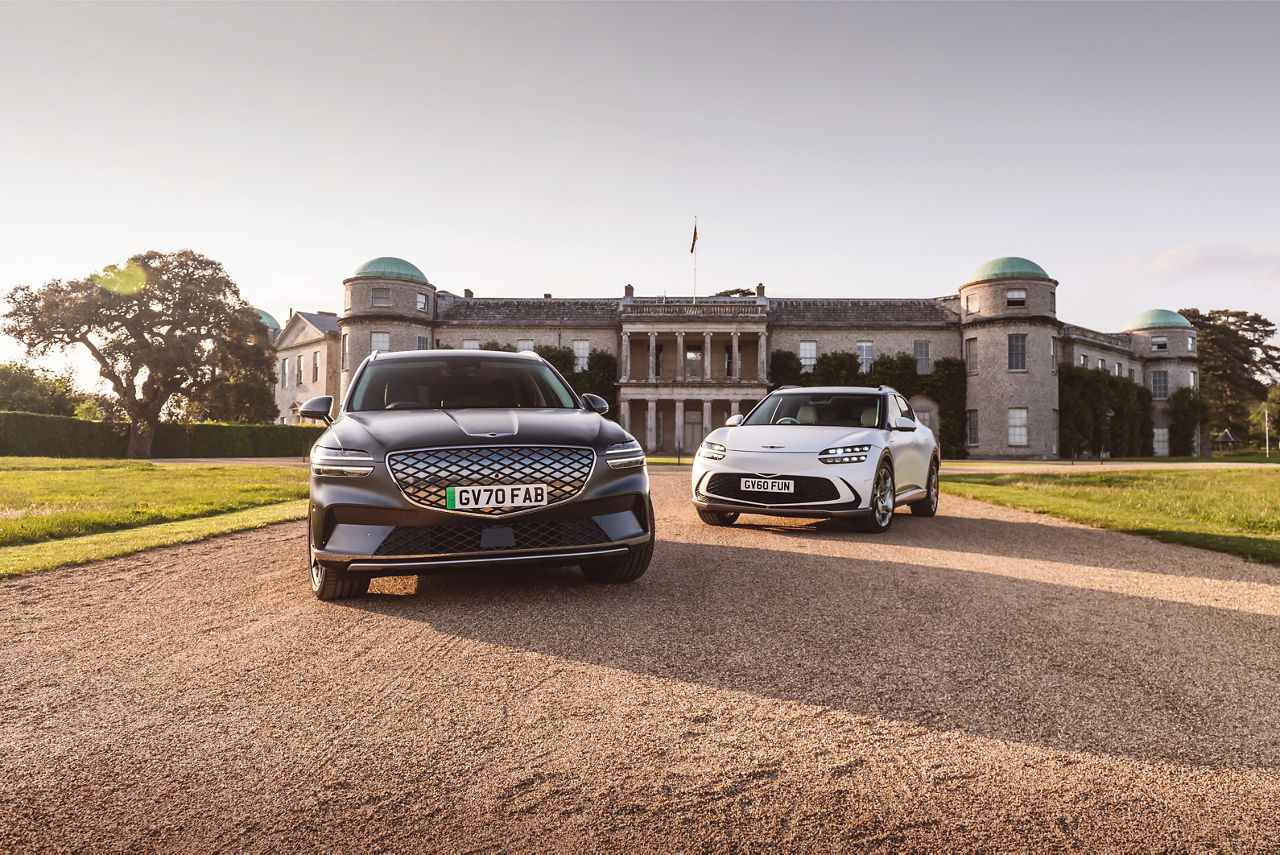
pixel 985 680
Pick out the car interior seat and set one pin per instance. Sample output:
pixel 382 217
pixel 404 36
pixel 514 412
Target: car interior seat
pixel 401 394
pixel 869 416
pixel 807 415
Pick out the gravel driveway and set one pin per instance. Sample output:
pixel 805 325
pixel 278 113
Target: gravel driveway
pixel 987 679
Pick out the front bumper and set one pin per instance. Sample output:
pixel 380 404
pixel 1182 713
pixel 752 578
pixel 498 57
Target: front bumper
pixel 834 491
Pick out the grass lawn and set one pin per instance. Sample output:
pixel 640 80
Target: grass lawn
pixel 1227 510
pixel 55 512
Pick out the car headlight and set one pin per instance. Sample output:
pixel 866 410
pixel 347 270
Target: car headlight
pixel 624 455
pixel 340 462
pixel 711 450
pixel 845 454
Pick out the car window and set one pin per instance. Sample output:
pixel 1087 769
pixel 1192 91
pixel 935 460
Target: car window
pixel 449 383
pixel 821 409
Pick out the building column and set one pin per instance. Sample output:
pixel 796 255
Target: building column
pixel 653 356
pixel 733 407
pixel 679 425
pixel 680 357
pixel 737 359
pixel 706 356
pixel 706 417
pixel 625 362
pixel 624 413
pixel 762 358
pixel 651 427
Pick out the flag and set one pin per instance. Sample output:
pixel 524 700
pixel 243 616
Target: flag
pixel 695 237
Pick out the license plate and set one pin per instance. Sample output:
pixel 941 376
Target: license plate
pixel 481 498
pixel 768 485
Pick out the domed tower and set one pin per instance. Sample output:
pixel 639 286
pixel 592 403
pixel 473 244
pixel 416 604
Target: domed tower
pixel 272 325
pixel 1009 324
pixel 1165 342
pixel 388 305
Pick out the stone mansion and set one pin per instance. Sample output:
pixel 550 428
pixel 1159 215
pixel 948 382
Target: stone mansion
pixel 686 365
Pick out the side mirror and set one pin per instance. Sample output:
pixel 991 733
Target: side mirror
pixel 734 420
pixel 317 408
pixel 904 423
pixel 595 403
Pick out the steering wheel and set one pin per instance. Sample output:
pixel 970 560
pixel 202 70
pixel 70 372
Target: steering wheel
pixel 787 420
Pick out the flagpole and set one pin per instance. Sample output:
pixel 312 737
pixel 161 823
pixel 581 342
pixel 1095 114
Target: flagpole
pixel 694 249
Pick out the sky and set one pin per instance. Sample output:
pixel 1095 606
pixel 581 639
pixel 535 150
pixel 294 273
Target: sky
pixel 827 150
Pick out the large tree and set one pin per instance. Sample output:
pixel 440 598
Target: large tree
pixel 161 325
pixel 1237 359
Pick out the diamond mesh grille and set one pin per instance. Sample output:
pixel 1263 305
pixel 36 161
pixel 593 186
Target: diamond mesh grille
pixel 424 475
pixel 447 539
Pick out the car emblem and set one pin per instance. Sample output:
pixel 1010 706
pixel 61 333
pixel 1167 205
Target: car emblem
pixel 773 446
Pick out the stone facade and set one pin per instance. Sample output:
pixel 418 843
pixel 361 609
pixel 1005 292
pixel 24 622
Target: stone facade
pixel 686 365
pixel 306 361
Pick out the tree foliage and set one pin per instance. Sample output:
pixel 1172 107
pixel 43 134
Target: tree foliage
pixel 246 398
pixel 25 389
pixel 161 326
pixel 1100 412
pixel 946 385
pixel 1187 411
pixel 599 378
pixel 1236 361
pixel 735 292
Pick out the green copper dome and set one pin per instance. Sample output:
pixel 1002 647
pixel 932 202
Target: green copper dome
pixel 389 266
pixel 267 321
pixel 1009 267
pixel 1156 319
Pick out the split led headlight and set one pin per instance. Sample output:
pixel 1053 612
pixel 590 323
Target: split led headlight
pixel 845 454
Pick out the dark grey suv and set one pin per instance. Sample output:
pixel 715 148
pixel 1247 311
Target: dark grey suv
pixel 443 461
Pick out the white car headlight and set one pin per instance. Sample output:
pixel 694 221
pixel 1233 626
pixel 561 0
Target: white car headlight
pixel 624 455
pixel 340 462
pixel 711 450
pixel 845 454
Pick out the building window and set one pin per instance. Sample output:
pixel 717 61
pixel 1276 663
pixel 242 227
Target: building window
pixel 380 341
pixel 315 366
pixel 1018 352
pixel 866 352
pixel 297 377
pixel 523 344
pixel 1195 379
pixel 284 373
pixel 971 304
pixel 920 350
pixel 1191 344
pixel 382 296
pixel 1161 442
pixel 346 298
pixel 1118 370
pixel 344 351
pixel 1102 364
pixel 693 366
pixel 471 344
pixel 1017 425
pixel 581 349
pixel 971 355
pixel 1015 298
pixel 1159 385
pixel 971 427
pixel 424 342
pixel 808 355
pixel 1053 301
pixel 1159 343
pixel 1084 360
pixel 1053 355
pixel 422 302
pixel 1131 374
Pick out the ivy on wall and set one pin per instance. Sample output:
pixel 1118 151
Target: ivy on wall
pixel 1100 412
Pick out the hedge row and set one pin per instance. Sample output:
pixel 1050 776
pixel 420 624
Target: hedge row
pixel 32 435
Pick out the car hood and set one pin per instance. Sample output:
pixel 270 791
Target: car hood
pixel 381 431
pixel 784 439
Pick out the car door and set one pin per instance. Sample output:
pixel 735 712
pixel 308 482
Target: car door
pixel 910 448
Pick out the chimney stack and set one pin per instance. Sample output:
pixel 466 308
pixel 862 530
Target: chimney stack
pixel 467 292
pixel 546 296
pixel 760 289
pixel 629 291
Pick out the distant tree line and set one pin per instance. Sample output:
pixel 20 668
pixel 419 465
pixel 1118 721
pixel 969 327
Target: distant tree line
pixel 599 378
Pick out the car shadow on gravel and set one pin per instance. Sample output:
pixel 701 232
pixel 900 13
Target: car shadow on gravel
pixel 984 654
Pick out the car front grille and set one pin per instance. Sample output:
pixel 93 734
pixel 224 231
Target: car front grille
pixel 808 490
pixel 424 475
pixel 472 537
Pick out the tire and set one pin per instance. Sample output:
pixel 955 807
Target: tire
pixel 928 506
pixel 717 517
pixel 613 571
pixel 882 499
pixel 330 583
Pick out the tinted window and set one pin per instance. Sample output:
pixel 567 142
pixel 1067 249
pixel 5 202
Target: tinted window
pixel 831 410
pixel 460 382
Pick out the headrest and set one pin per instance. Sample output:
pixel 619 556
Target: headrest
pixel 807 415
pixel 869 417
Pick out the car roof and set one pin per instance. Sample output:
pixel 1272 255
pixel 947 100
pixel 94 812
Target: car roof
pixel 836 390
pixel 420 355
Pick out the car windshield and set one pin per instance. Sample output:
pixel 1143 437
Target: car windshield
pixel 451 383
pixel 824 409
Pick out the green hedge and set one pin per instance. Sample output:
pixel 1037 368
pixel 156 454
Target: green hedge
pixel 32 435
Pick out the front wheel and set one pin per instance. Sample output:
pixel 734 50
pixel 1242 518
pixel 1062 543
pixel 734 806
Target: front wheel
pixel 928 506
pixel 329 583
pixel 717 517
pixel 616 570
pixel 883 494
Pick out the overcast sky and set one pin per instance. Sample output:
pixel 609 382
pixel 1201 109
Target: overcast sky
pixel 851 150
